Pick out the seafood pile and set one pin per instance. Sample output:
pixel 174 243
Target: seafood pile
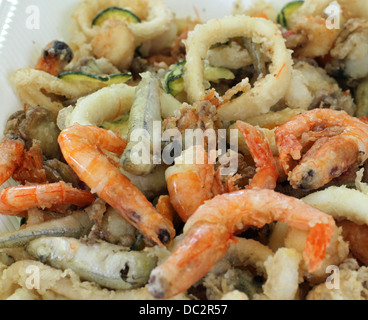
pixel 157 157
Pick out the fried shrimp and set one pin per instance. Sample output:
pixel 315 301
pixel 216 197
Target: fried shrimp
pixel 11 151
pixel 17 200
pixel 190 185
pixel 267 172
pixel 340 141
pixel 54 58
pixel 81 147
pixel 209 233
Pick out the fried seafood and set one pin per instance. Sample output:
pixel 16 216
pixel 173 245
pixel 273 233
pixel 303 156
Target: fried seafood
pixel 36 133
pixel 117 100
pixel 209 233
pixel 55 57
pixel 145 111
pixel 219 285
pixel 248 252
pixel 56 171
pixel 311 87
pixel 58 284
pixel 313 20
pixel 115 42
pixel 350 285
pixel 190 185
pixel 11 151
pixel 36 123
pixel 283 276
pixel 109 265
pixel 350 8
pixel 231 56
pixel 114 229
pixel 17 200
pixel 340 141
pixel 242 269
pixel 357 237
pixel 201 115
pixel 81 147
pixel 75 225
pixel 35 87
pixel 341 203
pixel 114 201
pixel 151 185
pixel 273 119
pixel 254 101
pixel 155 19
pixel 267 172
pixel 335 254
pixel 349 56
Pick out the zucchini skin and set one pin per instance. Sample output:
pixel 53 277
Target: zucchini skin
pixel 117 13
pixel 174 82
pixel 286 11
pixel 82 76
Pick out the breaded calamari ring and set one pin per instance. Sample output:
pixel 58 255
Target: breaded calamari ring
pixel 267 91
pixel 35 87
pixel 282 275
pixel 341 203
pixel 116 100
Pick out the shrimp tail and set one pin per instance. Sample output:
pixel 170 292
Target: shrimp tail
pixel 201 240
pixel 11 150
pixel 83 148
pixel 267 172
pixel 210 231
pixel 316 245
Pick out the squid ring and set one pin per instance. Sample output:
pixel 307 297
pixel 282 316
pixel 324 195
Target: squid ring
pixel 267 91
pixel 35 87
pixel 117 100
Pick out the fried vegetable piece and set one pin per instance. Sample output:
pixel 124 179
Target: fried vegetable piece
pixel 115 13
